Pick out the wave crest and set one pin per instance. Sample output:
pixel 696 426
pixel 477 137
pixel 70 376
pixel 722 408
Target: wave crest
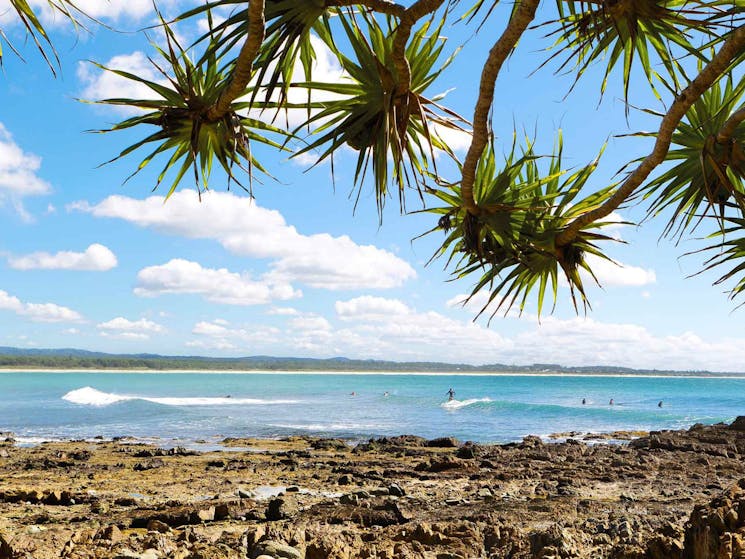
pixel 89 396
pixel 457 404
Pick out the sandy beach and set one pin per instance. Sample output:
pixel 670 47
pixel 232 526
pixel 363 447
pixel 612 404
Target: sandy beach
pixel 667 494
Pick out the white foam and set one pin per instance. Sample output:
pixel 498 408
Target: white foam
pixel 89 396
pixel 457 404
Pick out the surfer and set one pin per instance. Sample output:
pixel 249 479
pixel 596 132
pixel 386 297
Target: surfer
pixel 660 404
pixel 584 401
pixel 611 402
pixel 451 395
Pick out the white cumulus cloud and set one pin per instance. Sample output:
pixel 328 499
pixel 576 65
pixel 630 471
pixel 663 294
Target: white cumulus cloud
pixel 96 258
pixel 618 274
pixel 18 177
pixel 216 285
pixel 246 229
pixel 126 329
pixel 99 84
pixel 38 312
pixel 220 335
pixel 368 307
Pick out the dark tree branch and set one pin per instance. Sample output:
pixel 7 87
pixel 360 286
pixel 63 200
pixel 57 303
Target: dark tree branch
pixel 719 64
pixel 725 134
pixel 380 6
pixel 497 55
pixel 244 64
pixel 414 13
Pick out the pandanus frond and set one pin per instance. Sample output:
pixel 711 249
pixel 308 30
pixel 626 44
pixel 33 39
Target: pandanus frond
pixel 612 30
pixel 708 172
pixel 184 134
pixel 729 254
pixel 394 129
pixel 287 41
pixel 511 243
pixel 36 31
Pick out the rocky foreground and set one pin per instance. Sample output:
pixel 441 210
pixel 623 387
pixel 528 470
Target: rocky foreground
pixel 669 494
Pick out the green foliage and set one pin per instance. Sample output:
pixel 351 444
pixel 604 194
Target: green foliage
pixel 511 244
pixel 35 30
pixel 288 38
pixel 707 175
pixel 391 127
pixel 612 30
pixel 184 130
pixel 513 234
pixel 730 254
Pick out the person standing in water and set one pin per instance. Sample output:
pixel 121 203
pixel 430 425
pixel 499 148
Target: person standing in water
pixel 451 395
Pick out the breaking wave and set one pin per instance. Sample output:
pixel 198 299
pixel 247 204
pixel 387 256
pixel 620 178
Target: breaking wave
pixel 89 396
pixel 457 404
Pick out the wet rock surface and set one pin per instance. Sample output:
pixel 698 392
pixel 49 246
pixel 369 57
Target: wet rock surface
pixel 664 495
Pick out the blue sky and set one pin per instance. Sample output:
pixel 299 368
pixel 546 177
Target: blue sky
pixel 88 262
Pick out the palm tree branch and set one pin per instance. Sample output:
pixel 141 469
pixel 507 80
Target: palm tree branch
pixel 243 68
pixel 519 22
pixel 720 62
pixel 725 134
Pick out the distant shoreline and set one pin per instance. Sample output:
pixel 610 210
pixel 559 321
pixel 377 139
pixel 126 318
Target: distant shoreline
pixel 111 370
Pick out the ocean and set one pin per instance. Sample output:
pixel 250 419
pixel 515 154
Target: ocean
pixel 182 408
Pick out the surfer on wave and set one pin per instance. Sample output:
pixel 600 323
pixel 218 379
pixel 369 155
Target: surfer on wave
pixel 451 395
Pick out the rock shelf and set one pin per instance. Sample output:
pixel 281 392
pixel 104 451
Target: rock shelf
pixel 663 495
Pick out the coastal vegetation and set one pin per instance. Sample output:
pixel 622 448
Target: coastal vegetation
pixel 62 359
pixel 516 225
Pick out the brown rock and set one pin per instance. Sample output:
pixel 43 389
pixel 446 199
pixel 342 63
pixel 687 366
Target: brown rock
pixel 280 508
pixel 110 533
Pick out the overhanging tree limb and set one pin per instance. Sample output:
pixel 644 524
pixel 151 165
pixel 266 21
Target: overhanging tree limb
pixel 719 64
pixel 415 12
pixel 725 134
pixel 243 69
pixel 519 22
pixel 380 6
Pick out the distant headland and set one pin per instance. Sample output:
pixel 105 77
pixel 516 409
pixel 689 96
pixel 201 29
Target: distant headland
pixel 78 359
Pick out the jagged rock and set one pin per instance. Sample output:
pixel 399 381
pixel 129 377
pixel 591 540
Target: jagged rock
pixel 110 533
pixel 149 465
pixel 280 508
pixel 717 530
pixel 444 442
pixel 329 444
pixel 155 525
pixel 556 541
pixel 19 547
pixel 179 516
pixel 738 424
pixel 532 441
pixel 396 490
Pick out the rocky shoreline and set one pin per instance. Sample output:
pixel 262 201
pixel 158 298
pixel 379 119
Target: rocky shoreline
pixel 664 495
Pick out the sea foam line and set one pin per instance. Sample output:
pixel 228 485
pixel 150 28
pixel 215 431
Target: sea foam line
pixel 89 396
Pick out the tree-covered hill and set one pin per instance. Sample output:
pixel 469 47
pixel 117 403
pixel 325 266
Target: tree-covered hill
pixel 43 359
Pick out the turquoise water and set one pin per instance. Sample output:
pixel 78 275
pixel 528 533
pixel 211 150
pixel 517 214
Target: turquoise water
pixel 210 406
